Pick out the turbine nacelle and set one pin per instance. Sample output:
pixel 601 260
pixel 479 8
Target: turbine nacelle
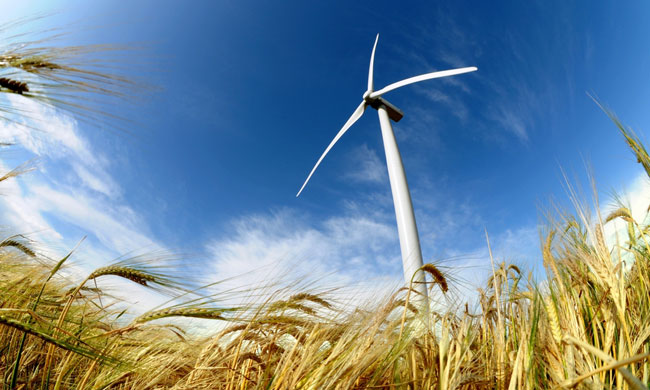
pixel 394 113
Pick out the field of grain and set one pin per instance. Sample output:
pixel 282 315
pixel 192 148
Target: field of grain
pixel 586 325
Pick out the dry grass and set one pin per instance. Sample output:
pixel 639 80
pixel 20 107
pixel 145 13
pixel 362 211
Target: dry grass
pixel 586 326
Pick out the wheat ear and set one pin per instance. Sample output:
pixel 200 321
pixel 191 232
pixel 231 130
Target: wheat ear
pixel 438 277
pixel 195 312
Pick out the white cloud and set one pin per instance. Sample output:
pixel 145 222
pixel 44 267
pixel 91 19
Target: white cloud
pixel 283 247
pixel 456 106
pixel 20 213
pixel 519 246
pixel 366 166
pixel 436 95
pixel 458 83
pixel 115 226
pixel 511 120
pixel 99 181
pixel 347 244
pixel 71 194
pixel 360 252
pixel 45 132
pixel 637 199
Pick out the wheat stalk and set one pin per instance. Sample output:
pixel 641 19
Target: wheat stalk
pixel 634 382
pixel 29 329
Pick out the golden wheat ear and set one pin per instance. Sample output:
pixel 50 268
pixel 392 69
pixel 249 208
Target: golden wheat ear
pixel 193 312
pixel 622 212
pixel 13 243
pixel 438 276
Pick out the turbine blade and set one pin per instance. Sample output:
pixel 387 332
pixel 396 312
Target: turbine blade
pixel 371 71
pixel 422 77
pixel 353 118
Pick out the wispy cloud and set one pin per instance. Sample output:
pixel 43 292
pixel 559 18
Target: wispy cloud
pixel 116 226
pixel 55 138
pixel 453 104
pixel 72 192
pixel 512 120
pixel 348 244
pixel 519 246
pixel 357 252
pixel 43 131
pixel 19 212
pixel 636 197
pixel 520 84
pixel 366 166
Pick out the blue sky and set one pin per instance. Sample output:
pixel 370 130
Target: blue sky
pixel 248 94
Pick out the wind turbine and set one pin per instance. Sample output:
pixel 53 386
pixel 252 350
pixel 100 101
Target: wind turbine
pixel 406 227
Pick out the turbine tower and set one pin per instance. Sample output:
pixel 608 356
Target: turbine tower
pixel 406 227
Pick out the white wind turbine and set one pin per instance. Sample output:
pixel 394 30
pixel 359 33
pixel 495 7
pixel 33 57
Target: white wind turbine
pixel 406 227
